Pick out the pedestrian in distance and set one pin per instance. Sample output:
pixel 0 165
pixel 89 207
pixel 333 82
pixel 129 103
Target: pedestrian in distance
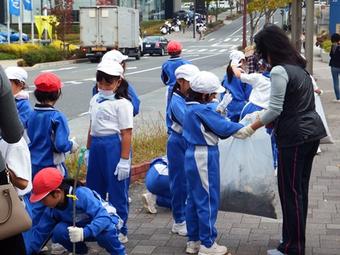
pixel 202 129
pixel 168 77
pixel 96 219
pixel 11 132
pixel 176 146
pixel 334 63
pixel 18 77
pixel 239 91
pixel 298 129
pixel 117 56
pixel 109 140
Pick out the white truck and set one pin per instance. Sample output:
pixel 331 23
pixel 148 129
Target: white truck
pixel 103 28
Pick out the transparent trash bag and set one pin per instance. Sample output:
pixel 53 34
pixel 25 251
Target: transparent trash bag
pixel 320 111
pixel 248 181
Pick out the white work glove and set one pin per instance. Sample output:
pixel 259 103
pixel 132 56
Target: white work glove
pixel 244 132
pixel 86 157
pixel 236 57
pixel 75 145
pixel 222 106
pixel 76 234
pixel 123 169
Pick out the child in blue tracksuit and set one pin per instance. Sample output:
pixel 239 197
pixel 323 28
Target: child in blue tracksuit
pixel 96 219
pixel 157 184
pixel 202 129
pixel 18 76
pixel 240 91
pixel 48 131
pixel 176 146
pixel 117 56
pixel 109 140
pixel 168 71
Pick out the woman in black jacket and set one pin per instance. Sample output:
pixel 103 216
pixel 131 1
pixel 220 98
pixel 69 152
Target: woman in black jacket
pixel 334 63
pixel 298 130
pixel 11 131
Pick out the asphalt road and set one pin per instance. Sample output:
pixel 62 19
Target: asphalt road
pixel 144 74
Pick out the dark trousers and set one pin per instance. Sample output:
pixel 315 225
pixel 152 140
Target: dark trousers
pixel 294 170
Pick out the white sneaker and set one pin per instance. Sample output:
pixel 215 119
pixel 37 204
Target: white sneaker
pixel 274 252
pixel 149 202
pixel 123 238
pixel 319 150
pixel 192 247
pixel 180 228
pixel 215 249
pixel 57 249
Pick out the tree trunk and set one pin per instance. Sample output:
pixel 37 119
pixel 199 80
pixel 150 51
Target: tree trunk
pixel 252 27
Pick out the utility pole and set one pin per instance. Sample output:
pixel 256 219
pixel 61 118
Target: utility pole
pixel 194 22
pixel 244 30
pixel 296 23
pixel 309 39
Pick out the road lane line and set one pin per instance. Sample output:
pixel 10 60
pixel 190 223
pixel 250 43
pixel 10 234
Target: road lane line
pixel 227 39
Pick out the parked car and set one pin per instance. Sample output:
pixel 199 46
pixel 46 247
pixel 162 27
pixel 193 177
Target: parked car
pixel 155 45
pixel 181 14
pixel 14 35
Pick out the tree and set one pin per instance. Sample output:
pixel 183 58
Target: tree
pixel 259 8
pixel 63 11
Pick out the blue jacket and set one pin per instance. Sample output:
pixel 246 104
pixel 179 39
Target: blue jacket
pixel 176 112
pixel 24 110
pixel 204 126
pixel 93 214
pixel 168 70
pixel 132 93
pixel 240 93
pixel 48 131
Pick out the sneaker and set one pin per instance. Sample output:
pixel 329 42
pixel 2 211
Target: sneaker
pixel 149 202
pixel 123 238
pixel 336 100
pixel 215 249
pixel 318 151
pixel 274 252
pixel 193 247
pixel 57 249
pixel 180 228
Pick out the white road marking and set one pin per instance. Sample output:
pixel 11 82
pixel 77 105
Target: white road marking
pixel 73 82
pixel 212 39
pixel 191 50
pixel 235 39
pixel 238 29
pixel 211 50
pixel 227 39
pixel 223 50
pixel 131 67
pixel 83 114
pixel 90 79
pixel 201 50
pixel 184 50
pixel 59 69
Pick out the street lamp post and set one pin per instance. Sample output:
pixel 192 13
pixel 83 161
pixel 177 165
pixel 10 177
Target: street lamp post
pixel 244 31
pixel 194 22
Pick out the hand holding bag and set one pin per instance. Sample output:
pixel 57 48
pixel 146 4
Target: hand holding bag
pixel 14 218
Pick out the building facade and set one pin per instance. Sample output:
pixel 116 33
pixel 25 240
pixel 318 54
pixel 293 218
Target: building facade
pixel 149 9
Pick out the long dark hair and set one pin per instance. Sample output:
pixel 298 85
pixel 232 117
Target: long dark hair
pixel 230 72
pixel 273 44
pixel 122 90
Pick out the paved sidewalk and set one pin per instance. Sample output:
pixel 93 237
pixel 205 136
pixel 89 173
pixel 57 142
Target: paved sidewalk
pixel 251 235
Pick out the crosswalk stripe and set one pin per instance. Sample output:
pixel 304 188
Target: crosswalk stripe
pixel 183 50
pixel 212 50
pixel 235 39
pixel 212 39
pixel 227 39
pixel 201 50
pixel 223 50
pixel 191 50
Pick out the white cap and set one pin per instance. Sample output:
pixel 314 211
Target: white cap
pixel 186 72
pixel 16 73
pixel 206 83
pixel 236 56
pixel 115 55
pixel 110 67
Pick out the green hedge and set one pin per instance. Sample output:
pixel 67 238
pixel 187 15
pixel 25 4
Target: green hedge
pixel 43 54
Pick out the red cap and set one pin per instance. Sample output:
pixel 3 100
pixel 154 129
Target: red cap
pixel 45 181
pixel 47 82
pixel 174 46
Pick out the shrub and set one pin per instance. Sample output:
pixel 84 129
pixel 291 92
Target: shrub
pixel 43 54
pixel 33 58
pixel 5 56
pixel 18 49
pixel 326 45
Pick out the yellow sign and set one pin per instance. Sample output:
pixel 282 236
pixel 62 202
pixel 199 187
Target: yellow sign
pixel 45 22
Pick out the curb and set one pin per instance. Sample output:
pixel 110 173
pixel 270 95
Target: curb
pixel 57 63
pixel 139 171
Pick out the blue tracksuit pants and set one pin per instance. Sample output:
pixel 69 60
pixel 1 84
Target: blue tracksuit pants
pixel 106 239
pixel 158 185
pixel 176 147
pixel 203 180
pixel 103 159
